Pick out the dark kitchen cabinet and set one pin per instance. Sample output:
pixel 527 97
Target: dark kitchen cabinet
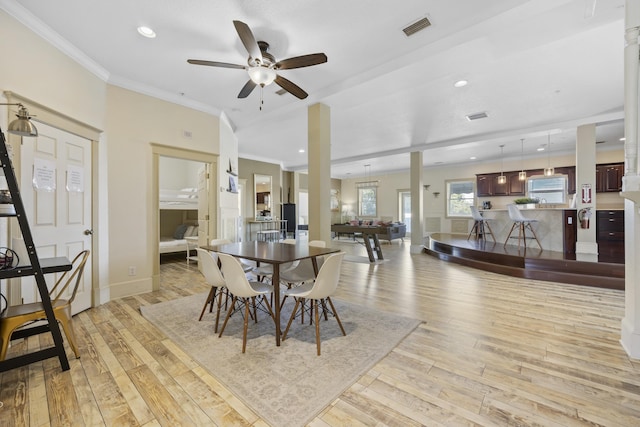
pixel 609 177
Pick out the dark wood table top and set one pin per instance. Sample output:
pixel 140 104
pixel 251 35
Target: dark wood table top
pixel 271 252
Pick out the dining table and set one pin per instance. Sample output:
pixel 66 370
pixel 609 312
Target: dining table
pixel 276 254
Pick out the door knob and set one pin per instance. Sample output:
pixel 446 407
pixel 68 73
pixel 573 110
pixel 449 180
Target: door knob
pixel 88 232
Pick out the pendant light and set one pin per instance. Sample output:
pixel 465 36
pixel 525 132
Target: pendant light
pixel 522 176
pixel 502 179
pixel 548 171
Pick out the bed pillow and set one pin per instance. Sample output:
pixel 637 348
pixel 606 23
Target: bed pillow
pixel 180 230
pixel 189 231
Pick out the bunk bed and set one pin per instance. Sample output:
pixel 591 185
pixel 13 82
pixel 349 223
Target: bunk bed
pixel 178 220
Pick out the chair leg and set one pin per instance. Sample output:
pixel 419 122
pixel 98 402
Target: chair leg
pixel 335 313
pixel 324 310
pixel 246 322
pixel 67 327
pixel 6 330
pixel 255 311
pixel 475 226
pixel 220 294
pixel 293 315
pixel 226 319
pixel 490 231
pixel 515 224
pixel 534 234
pixel 210 298
pixel 315 305
pixel 264 299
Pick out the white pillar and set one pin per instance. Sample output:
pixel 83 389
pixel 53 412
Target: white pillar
pixel 319 157
pixel 417 203
pixel 630 328
pixel 586 246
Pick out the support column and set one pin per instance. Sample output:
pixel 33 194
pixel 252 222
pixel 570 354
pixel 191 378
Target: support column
pixel 319 158
pixel 417 204
pixel 630 328
pixel 586 246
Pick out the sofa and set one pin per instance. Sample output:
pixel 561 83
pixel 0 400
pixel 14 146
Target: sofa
pixel 393 231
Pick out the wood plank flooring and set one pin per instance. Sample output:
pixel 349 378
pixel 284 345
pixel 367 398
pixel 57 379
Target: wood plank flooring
pixel 493 350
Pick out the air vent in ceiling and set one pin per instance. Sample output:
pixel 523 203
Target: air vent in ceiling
pixel 600 142
pixel 281 92
pixel 477 116
pixel 419 25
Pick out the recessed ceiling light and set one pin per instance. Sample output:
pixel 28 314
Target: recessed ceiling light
pixel 147 32
pixel 540 149
pixel 623 139
pixel 460 83
pixel 472 158
pixel 301 150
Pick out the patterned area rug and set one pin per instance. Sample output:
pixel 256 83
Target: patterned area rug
pixel 287 385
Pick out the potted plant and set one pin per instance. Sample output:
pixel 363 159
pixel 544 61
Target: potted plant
pixel 526 203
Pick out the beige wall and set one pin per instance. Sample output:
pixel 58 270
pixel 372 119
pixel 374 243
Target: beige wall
pixel 34 69
pixel 134 121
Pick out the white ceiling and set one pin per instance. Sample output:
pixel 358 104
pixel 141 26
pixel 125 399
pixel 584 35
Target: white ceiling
pixel 537 68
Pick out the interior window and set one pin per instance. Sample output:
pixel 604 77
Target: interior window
pixel 367 201
pixel 460 197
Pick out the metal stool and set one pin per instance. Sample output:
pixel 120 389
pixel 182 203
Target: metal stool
pixel 268 235
pixel 479 225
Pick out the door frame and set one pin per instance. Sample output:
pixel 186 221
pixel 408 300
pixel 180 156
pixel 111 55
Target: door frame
pixel 43 114
pixel 158 150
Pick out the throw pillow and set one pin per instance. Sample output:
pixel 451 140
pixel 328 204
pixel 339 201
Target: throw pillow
pixel 180 230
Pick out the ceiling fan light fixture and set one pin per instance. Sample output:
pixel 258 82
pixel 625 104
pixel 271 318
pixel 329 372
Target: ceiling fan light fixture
pixel 262 76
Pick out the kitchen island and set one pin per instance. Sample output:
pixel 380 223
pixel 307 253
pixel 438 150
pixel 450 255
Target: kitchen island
pixel 556 227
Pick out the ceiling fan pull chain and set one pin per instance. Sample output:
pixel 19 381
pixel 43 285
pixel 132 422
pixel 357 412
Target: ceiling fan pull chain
pixel 261 98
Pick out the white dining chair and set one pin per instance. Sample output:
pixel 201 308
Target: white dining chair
pixel 304 272
pixel 244 294
pixel 480 225
pixel 248 268
pixel 319 291
pixel 522 223
pixel 208 262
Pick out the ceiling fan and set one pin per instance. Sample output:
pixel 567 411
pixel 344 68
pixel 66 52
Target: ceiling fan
pixel 262 67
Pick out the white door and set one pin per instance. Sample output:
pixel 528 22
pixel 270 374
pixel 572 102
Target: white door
pixel 55 184
pixel 203 205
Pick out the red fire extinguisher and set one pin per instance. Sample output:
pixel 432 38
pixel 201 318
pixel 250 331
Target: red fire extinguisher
pixel 583 216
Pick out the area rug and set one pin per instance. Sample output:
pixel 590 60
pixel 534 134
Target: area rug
pixel 287 385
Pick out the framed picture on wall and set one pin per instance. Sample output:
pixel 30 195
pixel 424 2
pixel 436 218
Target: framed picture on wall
pixel 233 184
pixel 334 200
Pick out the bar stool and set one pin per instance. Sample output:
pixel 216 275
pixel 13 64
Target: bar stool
pixel 268 235
pixel 479 225
pixel 522 223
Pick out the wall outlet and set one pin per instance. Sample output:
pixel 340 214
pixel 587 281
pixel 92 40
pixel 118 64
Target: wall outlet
pixel 132 271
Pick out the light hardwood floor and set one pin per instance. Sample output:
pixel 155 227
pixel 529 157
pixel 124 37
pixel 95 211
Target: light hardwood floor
pixel 492 350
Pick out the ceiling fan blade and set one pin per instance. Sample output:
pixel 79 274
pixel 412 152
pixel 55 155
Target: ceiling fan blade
pixel 248 40
pixel 215 64
pixel 247 89
pixel 291 87
pixel 301 61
